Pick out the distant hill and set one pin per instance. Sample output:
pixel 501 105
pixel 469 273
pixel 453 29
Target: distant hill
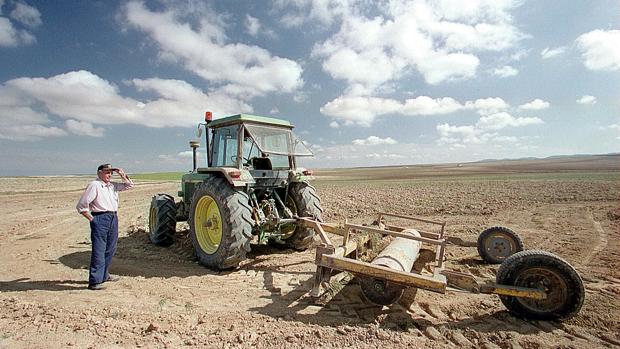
pixel 578 162
pixel 553 157
pixel 553 164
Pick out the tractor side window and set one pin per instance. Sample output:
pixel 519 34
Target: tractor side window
pixel 225 147
pixel 250 150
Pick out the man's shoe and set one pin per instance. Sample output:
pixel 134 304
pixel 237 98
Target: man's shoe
pixel 112 278
pixel 96 287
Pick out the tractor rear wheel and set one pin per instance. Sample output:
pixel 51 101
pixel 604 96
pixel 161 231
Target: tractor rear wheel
pixel 162 220
pixel 540 269
pixel 495 244
pixel 220 223
pixel 303 202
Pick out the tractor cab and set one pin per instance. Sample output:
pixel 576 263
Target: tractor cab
pixel 254 143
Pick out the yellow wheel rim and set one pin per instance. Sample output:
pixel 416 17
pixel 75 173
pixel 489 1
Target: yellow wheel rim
pixel 208 224
pixel 152 219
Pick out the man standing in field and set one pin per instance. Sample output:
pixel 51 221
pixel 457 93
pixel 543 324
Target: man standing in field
pixel 99 204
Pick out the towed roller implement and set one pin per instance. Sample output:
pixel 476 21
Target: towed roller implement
pixel 531 284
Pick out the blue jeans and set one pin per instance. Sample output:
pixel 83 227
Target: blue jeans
pixel 103 234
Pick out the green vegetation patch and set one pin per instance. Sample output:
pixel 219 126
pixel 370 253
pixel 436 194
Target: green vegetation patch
pixel 158 176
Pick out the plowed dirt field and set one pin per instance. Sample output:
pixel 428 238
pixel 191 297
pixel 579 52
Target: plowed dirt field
pixel 165 299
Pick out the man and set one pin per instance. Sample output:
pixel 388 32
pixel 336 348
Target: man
pixel 99 204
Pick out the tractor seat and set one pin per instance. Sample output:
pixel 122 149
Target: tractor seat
pixel 261 164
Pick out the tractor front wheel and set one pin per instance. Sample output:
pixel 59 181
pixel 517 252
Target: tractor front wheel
pixel 220 223
pixel 303 202
pixel 546 271
pixel 162 220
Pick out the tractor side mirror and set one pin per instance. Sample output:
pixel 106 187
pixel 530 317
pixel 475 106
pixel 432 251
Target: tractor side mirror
pixel 199 131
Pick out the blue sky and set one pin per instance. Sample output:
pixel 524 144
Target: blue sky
pixel 367 83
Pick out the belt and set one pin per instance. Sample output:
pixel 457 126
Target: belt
pixel 103 212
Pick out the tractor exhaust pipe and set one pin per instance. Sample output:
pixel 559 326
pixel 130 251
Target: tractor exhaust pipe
pixel 194 145
pixel 399 255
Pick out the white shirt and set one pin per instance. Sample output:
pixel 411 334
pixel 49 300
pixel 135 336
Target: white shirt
pixel 100 197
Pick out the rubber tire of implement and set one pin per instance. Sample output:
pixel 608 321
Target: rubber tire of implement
pixel 164 210
pixel 516 244
pixel 536 264
pixel 308 204
pixel 236 217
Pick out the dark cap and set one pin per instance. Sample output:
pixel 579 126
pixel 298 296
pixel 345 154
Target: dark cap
pixel 106 167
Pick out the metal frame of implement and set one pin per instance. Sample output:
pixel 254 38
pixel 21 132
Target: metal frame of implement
pixel 343 257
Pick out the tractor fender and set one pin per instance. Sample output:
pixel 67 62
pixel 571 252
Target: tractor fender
pixel 235 177
pixel 300 175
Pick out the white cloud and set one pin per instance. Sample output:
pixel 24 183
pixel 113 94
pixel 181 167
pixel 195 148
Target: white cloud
pixel 187 154
pixel 611 127
pixel 600 49
pixel 548 52
pixel 181 157
pixel 20 122
pixel 84 100
pixel 300 97
pixel 374 140
pixel 505 139
pixel 30 132
pixel 536 104
pixel 440 40
pixel 334 124
pixel 26 14
pixel 519 55
pixel 11 36
pixel 181 104
pixel 359 110
pixel 300 12
pixel 437 68
pixel 424 105
pixel 484 131
pixel 274 110
pixel 501 120
pixel 486 106
pixel 242 70
pixel 586 99
pixel 362 111
pixel 83 128
pixel 78 95
pixel 384 156
pixel 505 71
pixel 252 25
pixel 449 134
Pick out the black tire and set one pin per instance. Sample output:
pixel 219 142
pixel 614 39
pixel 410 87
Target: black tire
pixel 236 224
pixel 380 292
pixel 565 291
pixel 303 202
pixel 162 220
pixel 495 244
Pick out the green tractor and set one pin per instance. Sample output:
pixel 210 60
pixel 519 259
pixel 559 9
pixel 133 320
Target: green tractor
pixel 250 187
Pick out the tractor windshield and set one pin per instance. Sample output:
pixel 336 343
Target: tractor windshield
pixel 277 141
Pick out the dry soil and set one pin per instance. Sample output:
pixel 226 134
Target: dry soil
pixel 165 299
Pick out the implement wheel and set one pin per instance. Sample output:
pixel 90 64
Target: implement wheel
pixel 303 202
pixel 498 243
pixel 220 224
pixel 162 220
pixel 540 269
